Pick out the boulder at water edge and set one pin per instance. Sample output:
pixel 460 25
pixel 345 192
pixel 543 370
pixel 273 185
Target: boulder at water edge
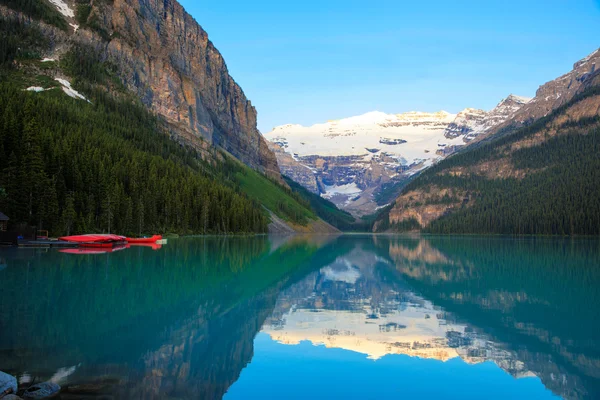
pixel 8 383
pixel 45 390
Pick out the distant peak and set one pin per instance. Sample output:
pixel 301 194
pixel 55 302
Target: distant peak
pixel 518 99
pixel 471 111
pixel 583 61
pixel 512 98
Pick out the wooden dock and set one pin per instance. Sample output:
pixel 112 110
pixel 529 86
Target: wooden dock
pixel 44 244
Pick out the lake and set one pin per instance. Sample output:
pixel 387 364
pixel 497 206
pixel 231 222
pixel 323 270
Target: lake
pixel 320 317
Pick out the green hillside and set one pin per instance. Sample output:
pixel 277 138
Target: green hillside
pixel 286 204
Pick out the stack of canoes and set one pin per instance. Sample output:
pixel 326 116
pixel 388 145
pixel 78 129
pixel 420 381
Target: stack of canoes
pixel 104 241
pixel 96 240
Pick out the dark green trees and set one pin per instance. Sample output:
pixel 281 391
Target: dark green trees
pixel 79 167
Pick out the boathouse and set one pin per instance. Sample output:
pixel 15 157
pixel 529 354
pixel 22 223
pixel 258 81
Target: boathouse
pixel 3 222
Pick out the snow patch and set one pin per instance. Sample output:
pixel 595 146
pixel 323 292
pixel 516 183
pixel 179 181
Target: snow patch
pixel 521 99
pixel 66 87
pixel 63 8
pixel 48 60
pixel 348 190
pixel 75 27
pixel 36 89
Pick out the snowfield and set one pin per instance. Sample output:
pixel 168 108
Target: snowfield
pixel 410 137
pixel 66 87
pixel 63 8
pixel 348 189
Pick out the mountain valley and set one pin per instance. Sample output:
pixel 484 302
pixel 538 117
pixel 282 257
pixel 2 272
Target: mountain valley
pixel 353 160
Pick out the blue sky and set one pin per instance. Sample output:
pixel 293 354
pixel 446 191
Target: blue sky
pixel 313 60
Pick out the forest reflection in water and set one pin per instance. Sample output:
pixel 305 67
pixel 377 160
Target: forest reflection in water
pixel 184 322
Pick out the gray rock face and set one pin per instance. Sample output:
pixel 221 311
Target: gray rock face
pixel 166 58
pixel 8 383
pixel 466 123
pixel 297 171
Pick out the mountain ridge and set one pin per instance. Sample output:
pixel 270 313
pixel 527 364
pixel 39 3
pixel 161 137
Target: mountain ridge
pixel 536 177
pixel 376 151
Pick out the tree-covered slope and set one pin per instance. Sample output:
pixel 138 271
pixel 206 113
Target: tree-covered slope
pixel 540 179
pixel 72 165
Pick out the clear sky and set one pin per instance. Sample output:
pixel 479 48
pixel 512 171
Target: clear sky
pixel 308 61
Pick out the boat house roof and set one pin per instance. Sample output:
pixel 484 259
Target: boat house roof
pixel 3 217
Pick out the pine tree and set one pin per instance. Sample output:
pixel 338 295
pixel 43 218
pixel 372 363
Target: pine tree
pixel 69 214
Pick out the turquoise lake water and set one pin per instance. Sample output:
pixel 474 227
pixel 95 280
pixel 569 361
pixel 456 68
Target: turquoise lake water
pixel 323 317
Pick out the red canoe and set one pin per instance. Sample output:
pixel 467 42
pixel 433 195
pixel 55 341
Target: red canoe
pixel 101 241
pixel 153 246
pixel 99 238
pixel 152 239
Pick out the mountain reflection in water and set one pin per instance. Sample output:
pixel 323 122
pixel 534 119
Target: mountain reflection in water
pixel 182 322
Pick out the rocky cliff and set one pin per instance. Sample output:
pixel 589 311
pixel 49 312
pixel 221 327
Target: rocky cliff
pixel 297 171
pixel 163 55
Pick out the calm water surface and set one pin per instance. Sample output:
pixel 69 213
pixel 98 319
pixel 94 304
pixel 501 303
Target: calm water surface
pixel 308 318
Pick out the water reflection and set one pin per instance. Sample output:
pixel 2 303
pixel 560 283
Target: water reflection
pixel 182 322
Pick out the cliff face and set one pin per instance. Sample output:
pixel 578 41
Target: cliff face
pixel 164 56
pixel 294 169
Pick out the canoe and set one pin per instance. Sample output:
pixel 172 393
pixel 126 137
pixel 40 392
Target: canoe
pixel 153 246
pixel 152 239
pixel 94 238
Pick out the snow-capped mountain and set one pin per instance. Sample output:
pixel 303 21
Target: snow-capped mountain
pixel 407 135
pixel 471 123
pixel 350 160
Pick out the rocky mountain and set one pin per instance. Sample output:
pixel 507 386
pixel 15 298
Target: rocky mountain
pixel 551 95
pixel 534 173
pixel 472 123
pixel 161 54
pixel 166 139
pixel 352 160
